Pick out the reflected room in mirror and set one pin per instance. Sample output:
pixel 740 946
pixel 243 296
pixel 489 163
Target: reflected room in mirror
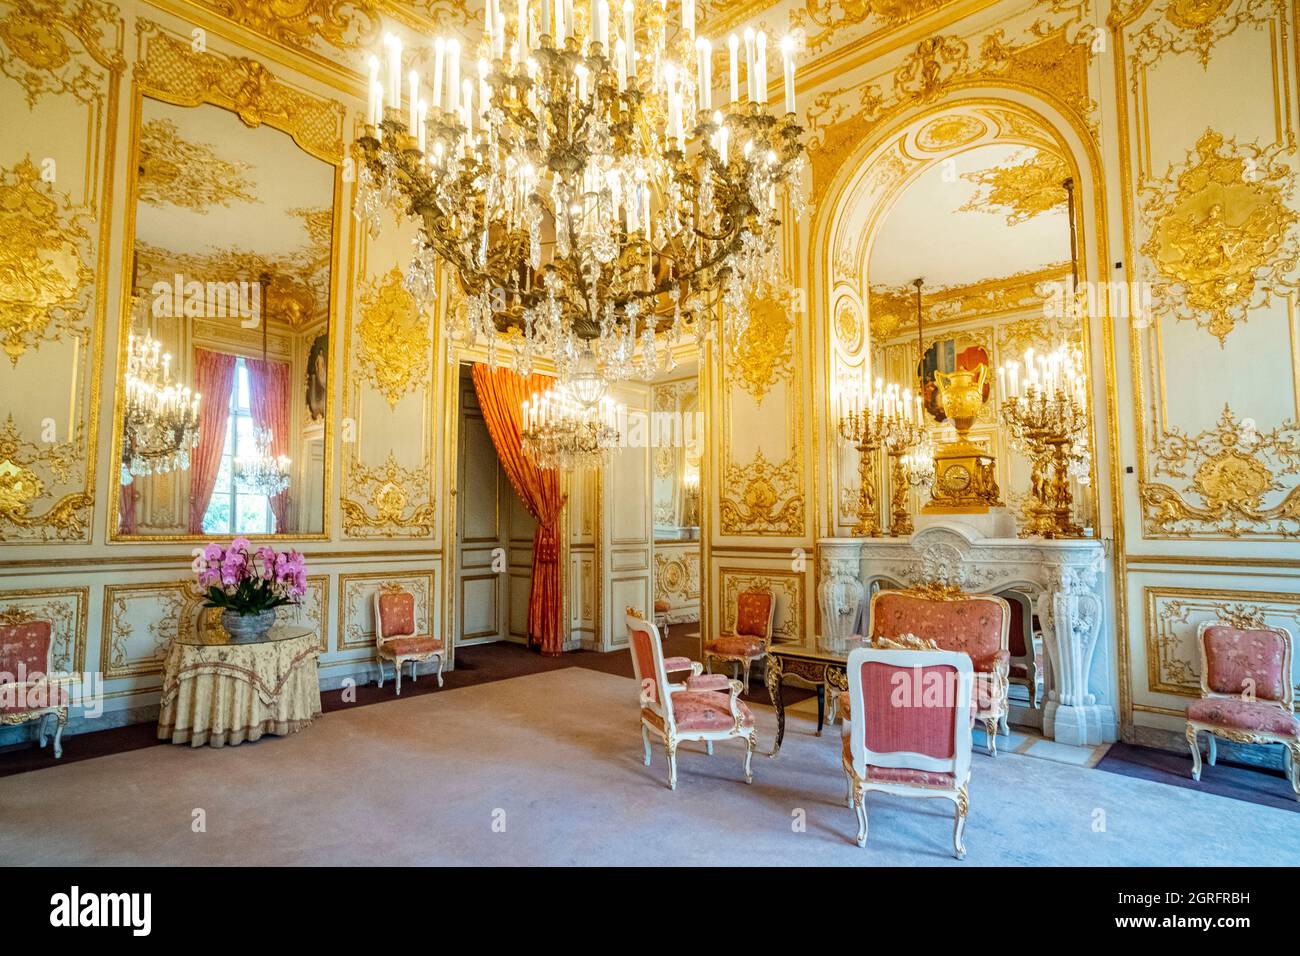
pixel 224 392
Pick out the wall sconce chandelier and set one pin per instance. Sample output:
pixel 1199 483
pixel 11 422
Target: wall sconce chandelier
pixel 558 431
pixel 579 182
pixel 160 420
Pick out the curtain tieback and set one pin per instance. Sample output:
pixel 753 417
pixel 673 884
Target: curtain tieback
pixel 546 545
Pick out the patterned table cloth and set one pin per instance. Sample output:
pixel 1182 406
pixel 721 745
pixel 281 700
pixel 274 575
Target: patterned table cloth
pixel 220 693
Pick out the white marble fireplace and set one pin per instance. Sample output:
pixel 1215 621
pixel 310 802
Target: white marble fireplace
pixel 1065 580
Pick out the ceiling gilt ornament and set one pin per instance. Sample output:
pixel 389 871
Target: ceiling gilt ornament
pixel 174 171
pixel 345 24
pixel 1222 232
pixel 1196 27
pixel 949 132
pixel 45 281
pixel 394 337
pixel 1232 468
pixel 1027 187
pixel 834 15
pixel 36 53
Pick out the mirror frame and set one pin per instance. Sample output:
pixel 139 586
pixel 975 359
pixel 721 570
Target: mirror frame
pixel 248 89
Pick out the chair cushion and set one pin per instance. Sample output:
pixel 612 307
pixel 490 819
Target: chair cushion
pixel 405 646
pixel 709 682
pixel 662 606
pixel 397 613
pixel 906 775
pixel 677 664
pixel 972 625
pixel 753 612
pixel 32 697
pixel 1249 715
pixel 707 710
pixel 735 645
pixel 1242 660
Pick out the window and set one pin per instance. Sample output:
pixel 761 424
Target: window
pixel 233 510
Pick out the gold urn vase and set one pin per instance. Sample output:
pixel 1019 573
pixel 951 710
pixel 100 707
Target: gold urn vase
pixel 964 478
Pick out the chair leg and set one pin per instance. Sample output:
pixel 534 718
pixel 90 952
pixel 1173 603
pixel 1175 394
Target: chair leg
pixel 1003 727
pixel 750 743
pixel 848 790
pixel 1293 751
pixel 1214 750
pixel 708 747
pixel 58 738
pixel 397 666
pixel 415 675
pixel 439 670
pixel 671 747
pixel 860 804
pixel 42 735
pixel 962 805
pixel 991 733
pixel 745 679
pixel 380 662
pixel 708 663
pixel 1196 752
pixel 645 740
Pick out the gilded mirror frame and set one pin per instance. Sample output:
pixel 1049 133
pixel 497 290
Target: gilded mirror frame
pixel 169 70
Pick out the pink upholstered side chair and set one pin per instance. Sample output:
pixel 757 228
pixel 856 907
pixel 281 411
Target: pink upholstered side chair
pixel 26 692
pixel 1020 644
pixel 396 637
pixel 755 613
pixel 975 624
pixel 706 707
pixel 1247 694
pixel 916 745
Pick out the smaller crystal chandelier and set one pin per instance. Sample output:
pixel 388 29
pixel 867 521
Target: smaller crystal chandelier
pixel 559 431
pixel 919 464
pixel 262 472
pixel 160 423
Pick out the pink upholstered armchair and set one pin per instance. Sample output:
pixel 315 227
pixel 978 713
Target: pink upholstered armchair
pixel 1247 695
pixel 705 707
pixel 900 739
pixel 397 638
pixel 755 612
pixel 974 624
pixel 26 692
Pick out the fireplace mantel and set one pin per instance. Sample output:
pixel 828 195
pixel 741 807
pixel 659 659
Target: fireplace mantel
pixel 1065 580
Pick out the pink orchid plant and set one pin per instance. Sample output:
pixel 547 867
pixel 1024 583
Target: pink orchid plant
pixel 249 581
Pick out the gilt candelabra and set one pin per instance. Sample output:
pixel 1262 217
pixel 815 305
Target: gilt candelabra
pixel 1046 413
pixel 872 418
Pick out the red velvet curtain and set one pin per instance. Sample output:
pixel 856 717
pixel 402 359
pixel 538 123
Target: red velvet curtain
pixel 268 384
pixel 501 394
pixel 214 374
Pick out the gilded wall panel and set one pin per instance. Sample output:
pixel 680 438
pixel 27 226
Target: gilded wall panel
pixel 60 69
pixel 64 608
pixel 788 587
pixel 1174 614
pixel 390 380
pixel 1213 237
pixel 140 622
pixel 357 609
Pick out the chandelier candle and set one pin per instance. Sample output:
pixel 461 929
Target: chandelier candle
pixel 589 206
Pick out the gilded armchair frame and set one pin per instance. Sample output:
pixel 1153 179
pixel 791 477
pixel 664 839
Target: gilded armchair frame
pixel 656 709
pixel 1290 744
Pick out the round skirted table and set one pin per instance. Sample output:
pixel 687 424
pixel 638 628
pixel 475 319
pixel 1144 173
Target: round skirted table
pixel 216 692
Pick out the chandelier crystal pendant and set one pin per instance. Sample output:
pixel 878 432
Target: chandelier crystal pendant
pixel 577 179
pixel 160 420
pixel 561 432
pixel 263 472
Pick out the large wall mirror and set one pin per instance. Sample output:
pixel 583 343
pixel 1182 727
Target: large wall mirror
pixel 223 392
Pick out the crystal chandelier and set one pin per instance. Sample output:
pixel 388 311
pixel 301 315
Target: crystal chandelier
pixel 561 432
pixel 262 472
pixel 580 184
pixel 160 421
